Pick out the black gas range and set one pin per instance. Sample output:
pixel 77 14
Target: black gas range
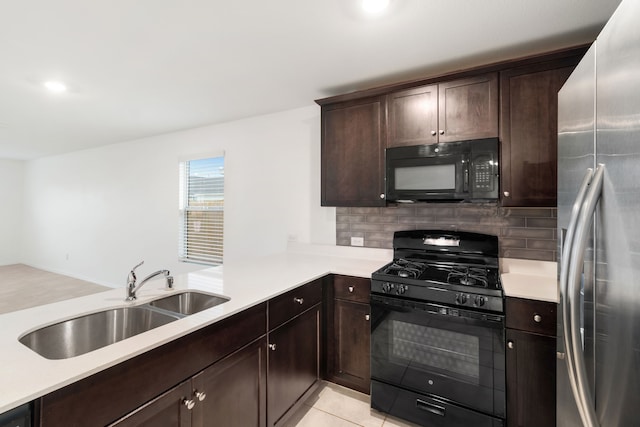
pixel 453 268
pixel 437 331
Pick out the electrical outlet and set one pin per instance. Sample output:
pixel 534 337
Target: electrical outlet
pixel 357 241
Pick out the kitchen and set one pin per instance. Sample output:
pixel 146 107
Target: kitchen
pixel 123 182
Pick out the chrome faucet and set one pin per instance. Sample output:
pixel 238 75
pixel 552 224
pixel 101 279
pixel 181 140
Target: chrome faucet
pixel 131 281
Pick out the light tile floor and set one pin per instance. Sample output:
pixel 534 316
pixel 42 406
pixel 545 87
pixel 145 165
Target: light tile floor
pixel 335 406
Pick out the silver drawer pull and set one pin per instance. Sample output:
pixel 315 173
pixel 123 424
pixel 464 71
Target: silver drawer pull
pixel 351 289
pixel 201 395
pixel 299 300
pixel 367 317
pixel 189 403
pixel 537 318
pixel 510 344
pixel 272 347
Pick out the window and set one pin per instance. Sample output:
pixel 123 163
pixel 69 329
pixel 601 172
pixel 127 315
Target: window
pixel 201 208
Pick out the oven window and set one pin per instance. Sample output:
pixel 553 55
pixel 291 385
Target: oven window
pixel 433 177
pixel 452 353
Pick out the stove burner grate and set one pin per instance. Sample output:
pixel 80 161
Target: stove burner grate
pixel 405 268
pixel 468 276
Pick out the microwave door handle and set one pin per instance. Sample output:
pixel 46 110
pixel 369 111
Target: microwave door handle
pixel 465 167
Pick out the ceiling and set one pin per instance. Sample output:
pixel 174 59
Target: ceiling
pixel 147 67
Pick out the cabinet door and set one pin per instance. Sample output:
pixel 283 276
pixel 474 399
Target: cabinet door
pixel 352 339
pixel 171 409
pixel 232 392
pixel 529 132
pixel 413 117
pixel 468 108
pixel 353 141
pixel 293 362
pixel 531 379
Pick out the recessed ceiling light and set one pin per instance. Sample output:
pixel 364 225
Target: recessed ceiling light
pixel 54 86
pixel 374 6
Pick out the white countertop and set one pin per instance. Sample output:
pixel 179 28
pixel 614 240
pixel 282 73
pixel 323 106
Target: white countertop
pixel 535 280
pixel 25 375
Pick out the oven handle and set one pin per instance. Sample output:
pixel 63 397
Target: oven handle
pixel 400 305
pixel 430 407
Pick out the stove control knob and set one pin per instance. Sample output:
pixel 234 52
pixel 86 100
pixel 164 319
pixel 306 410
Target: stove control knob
pixel 401 289
pixel 461 299
pixel 387 287
pixel 479 300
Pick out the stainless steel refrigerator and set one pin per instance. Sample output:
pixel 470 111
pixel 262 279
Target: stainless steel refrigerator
pixel 598 375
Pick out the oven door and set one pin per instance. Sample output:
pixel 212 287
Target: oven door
pixel 453 354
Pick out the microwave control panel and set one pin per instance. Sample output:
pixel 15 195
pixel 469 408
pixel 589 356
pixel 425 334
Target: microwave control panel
pixel 483 173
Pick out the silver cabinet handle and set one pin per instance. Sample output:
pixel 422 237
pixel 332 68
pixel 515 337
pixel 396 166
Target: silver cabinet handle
pixel 510 344
pixel 189 403
pixel 367 317
pixel 537 318
pixel 299 300
pixel 506 194
pixel 351 288
pixel 272 347
pixel 441 132
pixel 433 132
pixel 382 195
pixel 201 395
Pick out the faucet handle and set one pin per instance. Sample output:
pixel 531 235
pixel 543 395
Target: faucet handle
pixel 131 278
pixel 134 268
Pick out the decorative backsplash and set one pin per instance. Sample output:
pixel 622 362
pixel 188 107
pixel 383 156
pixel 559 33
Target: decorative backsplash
pixel 526 233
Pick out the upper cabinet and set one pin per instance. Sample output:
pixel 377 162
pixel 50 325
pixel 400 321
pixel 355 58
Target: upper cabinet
pixel 514 100
pixel 450 111
pixel 529 131
pixel 353 142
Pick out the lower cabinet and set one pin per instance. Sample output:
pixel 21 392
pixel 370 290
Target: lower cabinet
pixel 293 355
pixel 168 410
pixel 349 333
pixel 531 363
pixel 231 392
pixel 293 363
pixel 255 368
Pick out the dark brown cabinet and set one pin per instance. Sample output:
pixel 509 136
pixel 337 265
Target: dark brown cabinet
pixel 450 111
pixel 171 409
pixel 531 363
pixel 230 392
pixel 353 142
pixel 349 333
pixel 528 131
pixel 294 345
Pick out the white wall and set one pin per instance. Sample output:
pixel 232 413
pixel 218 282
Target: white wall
pixel 11 192
pixel 94 214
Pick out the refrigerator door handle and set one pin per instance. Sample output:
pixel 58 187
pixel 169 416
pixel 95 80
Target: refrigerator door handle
pixel 567 245
pixel 582 393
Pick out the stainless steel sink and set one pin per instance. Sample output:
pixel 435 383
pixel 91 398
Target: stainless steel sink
pixel 189 302
pixel 83 334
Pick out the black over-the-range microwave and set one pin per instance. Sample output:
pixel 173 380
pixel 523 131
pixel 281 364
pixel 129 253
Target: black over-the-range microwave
pixel 463 171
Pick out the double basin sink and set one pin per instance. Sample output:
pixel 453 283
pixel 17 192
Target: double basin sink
pixel 90 332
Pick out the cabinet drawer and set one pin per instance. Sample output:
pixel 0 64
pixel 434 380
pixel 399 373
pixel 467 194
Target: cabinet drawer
pixel 289 305
pixel 532 316
pixel 355 289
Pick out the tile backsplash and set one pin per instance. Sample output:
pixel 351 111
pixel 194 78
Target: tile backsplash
pixel 526 233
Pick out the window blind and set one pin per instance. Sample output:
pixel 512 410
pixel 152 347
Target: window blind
pixel 201 208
